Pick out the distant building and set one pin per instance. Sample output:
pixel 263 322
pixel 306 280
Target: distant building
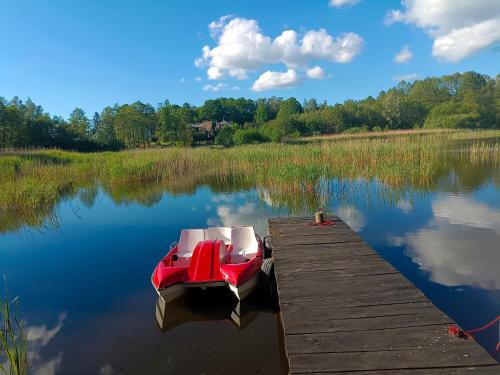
pixel 220 125
pixel 205 126
pixel 209 127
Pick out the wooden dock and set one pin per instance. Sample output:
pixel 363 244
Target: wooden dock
pixel 346 310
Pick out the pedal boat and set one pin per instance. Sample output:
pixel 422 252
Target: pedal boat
pixel 212 257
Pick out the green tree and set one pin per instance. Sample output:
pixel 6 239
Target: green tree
pixel 78 124
pixel 289 107
pixel 135 124
pixel 225 136
pixel 173 125
pixel 105 132
pixel 310 105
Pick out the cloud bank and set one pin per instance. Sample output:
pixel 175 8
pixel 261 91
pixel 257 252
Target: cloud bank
pixel 460 28
pixel 242 49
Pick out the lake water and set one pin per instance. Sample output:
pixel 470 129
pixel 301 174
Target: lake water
pixel 84 276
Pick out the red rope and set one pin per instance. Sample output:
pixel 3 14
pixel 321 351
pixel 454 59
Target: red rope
pixel 324 223
pixel 455 331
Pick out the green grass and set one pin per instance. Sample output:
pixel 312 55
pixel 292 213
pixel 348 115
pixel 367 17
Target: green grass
pixel 32 182
pixel 13 341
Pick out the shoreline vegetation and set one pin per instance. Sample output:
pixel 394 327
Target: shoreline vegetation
pixel 33 181
pixel 458 101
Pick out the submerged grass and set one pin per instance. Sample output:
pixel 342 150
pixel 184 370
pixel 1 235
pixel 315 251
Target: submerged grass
pixel 31 181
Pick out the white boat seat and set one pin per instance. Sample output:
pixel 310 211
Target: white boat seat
pixel 218 233
pixel 188 241
pixel 245 245
pixel 244 242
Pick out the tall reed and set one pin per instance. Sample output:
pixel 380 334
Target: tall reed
pixel 13 340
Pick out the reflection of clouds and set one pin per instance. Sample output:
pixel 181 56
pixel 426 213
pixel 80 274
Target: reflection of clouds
pixel 107 369
pixel 465 211
pixel 38 337
pixel 232 214
pixel 458 247
pixel 404 205
pixel 222 198
pixel 352 217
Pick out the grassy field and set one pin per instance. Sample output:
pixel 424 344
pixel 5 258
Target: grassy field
pixel 31 182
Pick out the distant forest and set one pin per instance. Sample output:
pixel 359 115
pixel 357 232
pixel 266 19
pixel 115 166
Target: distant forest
pixel 462 100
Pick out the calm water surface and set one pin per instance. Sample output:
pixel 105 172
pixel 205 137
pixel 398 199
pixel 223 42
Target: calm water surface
pixel 83 278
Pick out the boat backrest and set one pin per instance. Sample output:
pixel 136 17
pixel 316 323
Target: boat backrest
pixel 218 233
pixel 222 251
pixel 244 241
pixel 188 241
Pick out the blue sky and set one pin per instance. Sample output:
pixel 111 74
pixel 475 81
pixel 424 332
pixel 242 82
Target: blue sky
pixel 90 54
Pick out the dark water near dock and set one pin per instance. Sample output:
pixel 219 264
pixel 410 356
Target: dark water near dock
pixel 83 278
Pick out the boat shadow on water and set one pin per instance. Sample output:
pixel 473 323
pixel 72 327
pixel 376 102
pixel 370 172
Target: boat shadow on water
pixel 211 305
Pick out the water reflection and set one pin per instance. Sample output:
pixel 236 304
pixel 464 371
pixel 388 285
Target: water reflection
pixel 39 337
pixel 442 234
pixel 459 245
pixel 209 305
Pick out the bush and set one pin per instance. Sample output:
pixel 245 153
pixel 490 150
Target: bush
pixel 453 115
pixel 248 136
pixel 356 129
pixel 225 136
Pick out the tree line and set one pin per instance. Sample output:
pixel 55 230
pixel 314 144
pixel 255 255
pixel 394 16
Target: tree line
pixel 460 100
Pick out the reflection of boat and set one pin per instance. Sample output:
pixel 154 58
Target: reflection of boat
pixel 217 256
pixel 184 310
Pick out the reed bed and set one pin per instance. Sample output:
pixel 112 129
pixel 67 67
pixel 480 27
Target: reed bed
pixel 32 181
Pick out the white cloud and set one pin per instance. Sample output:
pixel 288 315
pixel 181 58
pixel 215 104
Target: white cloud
pixel 460 28
pixel 341 3
pixel 183 80
pixel 242 48
pixel 275 80
pixel 214 73
pixel 404 56
pixel 316 73
pixel 219 87
pixel 198 79
pixel 215 88
pixel 406 77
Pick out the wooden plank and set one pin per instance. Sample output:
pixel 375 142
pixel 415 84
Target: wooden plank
pixel 433 336
pixel 404 321
pixel 390 360
pixel 345 309
pixel 299 320
pixel 342 268
pixel 318 251
pixel 390 297
pixel 318 287
pixel 486 370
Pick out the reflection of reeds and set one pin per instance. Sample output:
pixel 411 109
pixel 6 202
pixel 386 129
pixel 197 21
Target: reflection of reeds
pixel 482 153
pixel 33 181
pixel 12 338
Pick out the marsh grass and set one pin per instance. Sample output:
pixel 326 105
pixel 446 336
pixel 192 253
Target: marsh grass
pixel 33 181
pixel 13 339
